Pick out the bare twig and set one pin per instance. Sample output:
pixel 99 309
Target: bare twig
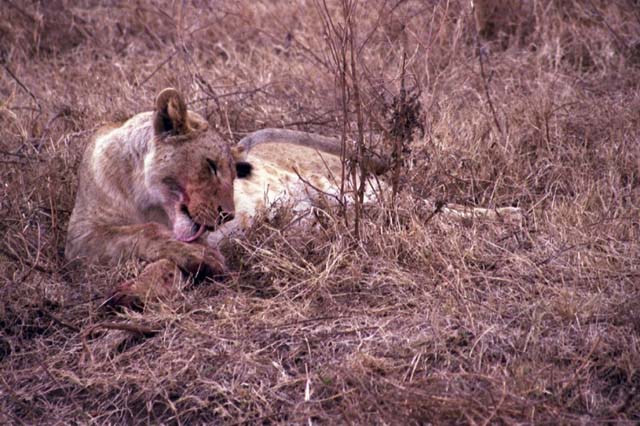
pixel 17 399
pixel 132 328
pixel 22 85
pixel 21 10
pixel 349 9
pixel 160 65
pixel 60 321
pixel 485 80
pixel 26 262
pixel 338 199
pixel 617 36
pixel 337 48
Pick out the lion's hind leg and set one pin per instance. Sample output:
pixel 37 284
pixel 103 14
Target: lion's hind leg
pixel 500 214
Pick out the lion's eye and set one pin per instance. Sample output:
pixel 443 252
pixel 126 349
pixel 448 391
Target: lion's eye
pixel 173 186
pixel 212 167
pixel 171 183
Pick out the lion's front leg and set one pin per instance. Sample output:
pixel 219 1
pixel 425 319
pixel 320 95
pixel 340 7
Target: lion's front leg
pixel 226 232
pixel 160 279
pixel 153 242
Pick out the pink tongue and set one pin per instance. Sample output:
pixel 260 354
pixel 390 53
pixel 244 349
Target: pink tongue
pixel 196 235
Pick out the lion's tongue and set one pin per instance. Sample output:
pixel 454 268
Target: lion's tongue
pixel 187 230
pixel 199 229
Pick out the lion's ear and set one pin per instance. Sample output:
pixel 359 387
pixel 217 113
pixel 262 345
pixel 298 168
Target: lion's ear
pixel 171 112
pixel 239 153
pixel 243 169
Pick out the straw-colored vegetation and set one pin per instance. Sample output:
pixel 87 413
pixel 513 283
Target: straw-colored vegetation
pixel 379 314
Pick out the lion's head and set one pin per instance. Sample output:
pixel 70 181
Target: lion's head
pixel 190 169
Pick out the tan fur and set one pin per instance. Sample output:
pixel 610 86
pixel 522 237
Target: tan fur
pixel 150 186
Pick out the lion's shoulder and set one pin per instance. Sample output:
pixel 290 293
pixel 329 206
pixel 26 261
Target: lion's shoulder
pixel 287 158
pixel 287 173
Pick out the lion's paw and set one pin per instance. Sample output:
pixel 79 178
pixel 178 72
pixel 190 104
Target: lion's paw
pixel 201 261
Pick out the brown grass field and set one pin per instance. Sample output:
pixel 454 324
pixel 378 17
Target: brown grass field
pixel 409 318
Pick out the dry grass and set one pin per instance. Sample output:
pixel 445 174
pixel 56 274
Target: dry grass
pixel 421 320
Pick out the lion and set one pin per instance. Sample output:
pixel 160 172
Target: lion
pixel 300 169
pixel 295 169
pixel 155 187
pixel 150 187
pixel 162 188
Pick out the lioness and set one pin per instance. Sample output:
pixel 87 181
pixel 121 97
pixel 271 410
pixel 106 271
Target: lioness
pixel 299 175
pixel 150 187
pixel 155 186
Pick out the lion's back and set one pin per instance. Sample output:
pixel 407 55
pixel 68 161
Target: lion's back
pixel 105 172
pixel 289 174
